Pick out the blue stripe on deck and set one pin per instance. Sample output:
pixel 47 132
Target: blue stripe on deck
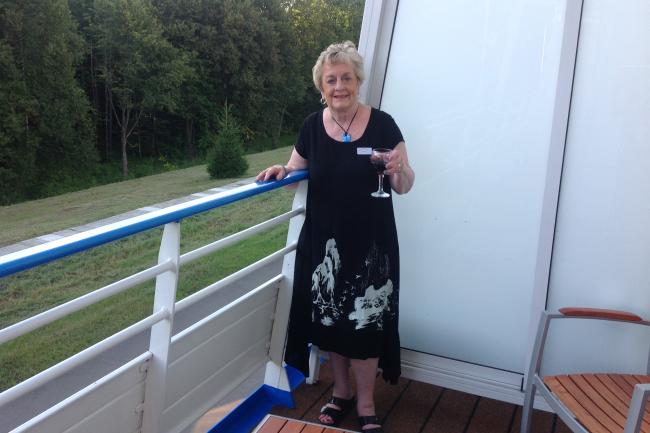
pixel 254 408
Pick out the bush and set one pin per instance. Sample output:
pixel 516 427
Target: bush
pixel 226 151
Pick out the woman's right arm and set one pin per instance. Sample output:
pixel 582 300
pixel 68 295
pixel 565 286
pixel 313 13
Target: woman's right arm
pixel 278 172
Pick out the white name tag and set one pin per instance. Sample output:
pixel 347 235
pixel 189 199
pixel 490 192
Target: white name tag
pixel 364 150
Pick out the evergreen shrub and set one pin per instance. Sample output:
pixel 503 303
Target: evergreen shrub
pixel 226 152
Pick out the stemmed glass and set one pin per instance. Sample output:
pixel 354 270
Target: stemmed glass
pixel 378 158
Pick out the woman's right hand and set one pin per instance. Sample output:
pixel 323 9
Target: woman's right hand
pixel 277 172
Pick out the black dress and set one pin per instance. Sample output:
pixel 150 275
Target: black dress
pixel 346 281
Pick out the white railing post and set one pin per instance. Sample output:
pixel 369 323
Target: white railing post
pixel 164 299
pixel 276 375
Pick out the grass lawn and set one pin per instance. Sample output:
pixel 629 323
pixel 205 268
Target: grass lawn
pixel 38 289
pixel 38 217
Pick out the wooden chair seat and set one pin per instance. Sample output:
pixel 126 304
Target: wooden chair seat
pixel 600 402
pixel 589 403
pixel 278 424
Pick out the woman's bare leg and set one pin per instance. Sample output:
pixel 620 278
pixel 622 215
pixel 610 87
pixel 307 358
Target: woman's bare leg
pixel 365 373
pixel 340 365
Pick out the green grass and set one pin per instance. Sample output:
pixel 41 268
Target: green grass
pixel 38 217
pixel 110 171
pixel 38 289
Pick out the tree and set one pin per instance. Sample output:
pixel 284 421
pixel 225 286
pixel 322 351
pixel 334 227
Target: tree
pixel 17 147
pixel 288 84
pixel 244 51
pixel 226 154
pixel 142 71
pixel 317 24
pixel 158 68
pixel 55 142
pixel 83 12
pixel 191 26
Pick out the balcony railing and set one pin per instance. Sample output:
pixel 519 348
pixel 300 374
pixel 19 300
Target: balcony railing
pixel 180 376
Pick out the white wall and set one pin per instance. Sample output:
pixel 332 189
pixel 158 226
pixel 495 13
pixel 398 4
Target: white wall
pixel 472 85
pixel 602 245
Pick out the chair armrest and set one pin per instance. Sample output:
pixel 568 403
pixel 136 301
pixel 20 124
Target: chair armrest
pixel 599 313
pixel 574 312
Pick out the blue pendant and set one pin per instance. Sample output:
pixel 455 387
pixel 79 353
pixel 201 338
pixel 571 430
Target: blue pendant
pixel 347 138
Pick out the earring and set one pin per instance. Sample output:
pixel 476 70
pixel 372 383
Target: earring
pixel 322 101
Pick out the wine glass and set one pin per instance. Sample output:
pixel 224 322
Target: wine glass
pixel 378 158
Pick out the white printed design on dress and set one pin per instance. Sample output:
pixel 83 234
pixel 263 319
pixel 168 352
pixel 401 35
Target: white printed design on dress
pixel 369 309
pixel 323 281
pixel 373 282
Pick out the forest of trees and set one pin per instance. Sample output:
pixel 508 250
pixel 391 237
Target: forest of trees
pixel 87 86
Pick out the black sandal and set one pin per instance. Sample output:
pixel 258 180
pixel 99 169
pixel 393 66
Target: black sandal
pixel 337 414
pixel 372 419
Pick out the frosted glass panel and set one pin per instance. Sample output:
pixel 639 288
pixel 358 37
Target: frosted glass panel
pixel 601 256
pixel 471 83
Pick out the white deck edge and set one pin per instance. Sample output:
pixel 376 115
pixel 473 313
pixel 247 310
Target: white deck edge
pixel 465 377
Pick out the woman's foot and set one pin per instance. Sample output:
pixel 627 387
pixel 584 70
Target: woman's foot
pixel 370 424
pixel 335 410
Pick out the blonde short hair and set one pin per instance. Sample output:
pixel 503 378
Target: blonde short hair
pixel 344 52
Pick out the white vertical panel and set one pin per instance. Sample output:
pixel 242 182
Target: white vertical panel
pixel 117 398
pixel 601 255
pixel 472 85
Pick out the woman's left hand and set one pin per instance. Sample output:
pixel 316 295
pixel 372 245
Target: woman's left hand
pixel 396 160
pixel 400 173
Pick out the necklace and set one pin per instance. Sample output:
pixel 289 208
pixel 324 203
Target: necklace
pixel 346 135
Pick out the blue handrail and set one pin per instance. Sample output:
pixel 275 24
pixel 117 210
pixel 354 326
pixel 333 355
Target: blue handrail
pixel 34 256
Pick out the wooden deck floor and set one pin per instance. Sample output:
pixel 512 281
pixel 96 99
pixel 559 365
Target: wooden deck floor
pixel 416 407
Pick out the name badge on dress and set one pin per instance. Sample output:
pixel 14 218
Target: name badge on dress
pixel 364 150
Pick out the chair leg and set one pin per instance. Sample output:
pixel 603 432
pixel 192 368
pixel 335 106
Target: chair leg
pixel 637 408
pixel 527 410
pixel 533 371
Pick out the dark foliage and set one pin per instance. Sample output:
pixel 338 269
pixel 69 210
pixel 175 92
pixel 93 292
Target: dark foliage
pixel 46 135
pixel 88 85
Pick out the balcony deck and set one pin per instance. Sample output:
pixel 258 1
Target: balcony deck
pixel 242 330
pixel 416 407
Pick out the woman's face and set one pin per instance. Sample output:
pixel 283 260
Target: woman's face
pixel 340 86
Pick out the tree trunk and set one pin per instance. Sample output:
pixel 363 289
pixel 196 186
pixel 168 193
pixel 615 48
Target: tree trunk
pixel 125 161
pixel 189 139
pixel 154 137
pixel 276 141
pixel 95 97
pixel 107 121
pixel 124 128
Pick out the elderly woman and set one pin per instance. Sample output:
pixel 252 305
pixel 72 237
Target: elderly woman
pixel 346 290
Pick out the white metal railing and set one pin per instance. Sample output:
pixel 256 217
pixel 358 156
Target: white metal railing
pixel 16 330
pixel 166 273
pixel 248 270
pixel 74 361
